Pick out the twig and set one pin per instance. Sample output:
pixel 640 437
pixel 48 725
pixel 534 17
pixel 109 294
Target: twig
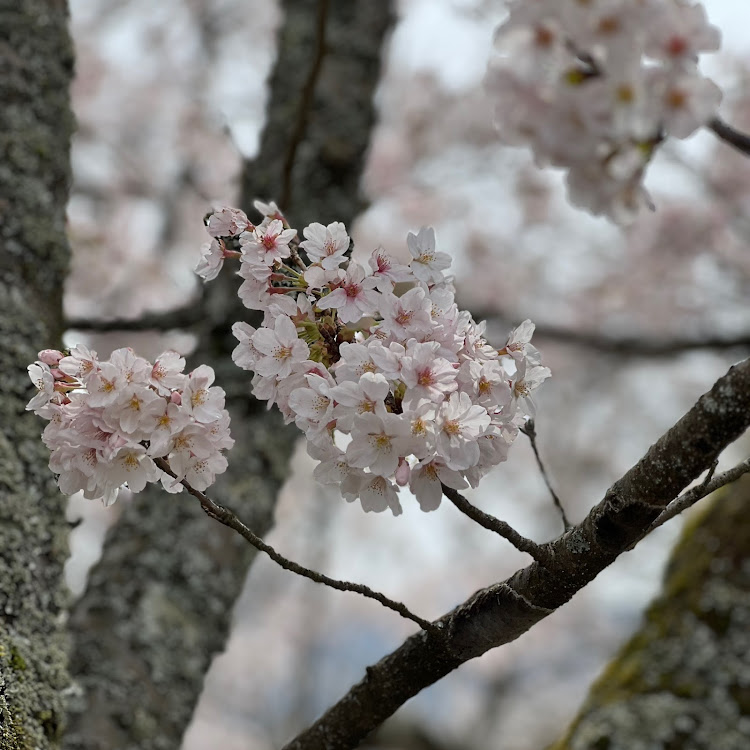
pixel 729 135
pixel 626 346
pixel 505 530
pixel 305 103
pixel 529 429
pixel 710 484
pixel 228 518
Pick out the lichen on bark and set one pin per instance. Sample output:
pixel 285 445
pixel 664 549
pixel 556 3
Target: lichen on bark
pixel 36 64
pixel 683 680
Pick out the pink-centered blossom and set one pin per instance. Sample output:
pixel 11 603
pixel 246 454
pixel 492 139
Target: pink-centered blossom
pixel 405 316
pixel 356 296
pixel 269 244
pixel 427 375
pixel 386 271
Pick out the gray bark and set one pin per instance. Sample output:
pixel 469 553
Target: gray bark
pixel 36 64
pixel 158 605
pixel 683 680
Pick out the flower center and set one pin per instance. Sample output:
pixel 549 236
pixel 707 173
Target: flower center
pixel 382 442
pixel 352 290
pixel 452 427
pixel 425 377
pixel 404 318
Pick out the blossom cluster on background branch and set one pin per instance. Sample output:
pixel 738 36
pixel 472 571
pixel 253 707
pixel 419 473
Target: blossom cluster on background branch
pixel 595 88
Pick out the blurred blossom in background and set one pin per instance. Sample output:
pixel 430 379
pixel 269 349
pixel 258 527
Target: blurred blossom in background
pixel 169 99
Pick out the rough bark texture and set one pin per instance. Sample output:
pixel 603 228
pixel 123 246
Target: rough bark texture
pixel 158 605
pixel 501 613
pixel 683 681
pixel 36 64
pixel 311 156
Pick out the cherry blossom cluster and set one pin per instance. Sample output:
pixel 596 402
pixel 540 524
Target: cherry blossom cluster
pixel 109 420
pixel 391 383
pixel 594 87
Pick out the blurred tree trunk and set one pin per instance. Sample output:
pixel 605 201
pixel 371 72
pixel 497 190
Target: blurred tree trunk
pixel 683 681
pixel 158 605
pixel 36 65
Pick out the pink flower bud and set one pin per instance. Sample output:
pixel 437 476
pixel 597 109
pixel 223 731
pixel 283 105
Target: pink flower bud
pixel 402 473
pixel 50 357
pixel 175 398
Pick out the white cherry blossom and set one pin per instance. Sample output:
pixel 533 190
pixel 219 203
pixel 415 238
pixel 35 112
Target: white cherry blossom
pixel 377 442
pixel 269 243
pixel 280 348
pixel 227 222
pixel 459 424
pixel 42 378
pixel 427 264
pixel 355 298
pixel 326 245
pixel 596 87
pixel 425 483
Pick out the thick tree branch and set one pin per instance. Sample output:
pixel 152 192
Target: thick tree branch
pixel 502 612
pixel 228 518
pixel 305 103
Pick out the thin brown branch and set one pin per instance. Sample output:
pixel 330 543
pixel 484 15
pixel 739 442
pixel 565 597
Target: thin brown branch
pixel 502 612
pixel 183 317
pixel 626 346
pixel 539 552
pixel 736 139
pixel 228 518
pixel 305 104
pixel 690 497
pixel 529 429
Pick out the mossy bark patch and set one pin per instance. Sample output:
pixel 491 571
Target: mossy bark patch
pixel 36 64
pixel 683 681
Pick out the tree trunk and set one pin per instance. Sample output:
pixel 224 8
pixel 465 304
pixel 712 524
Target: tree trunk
pixel 158 606
pixel 683 680
pixel 36 64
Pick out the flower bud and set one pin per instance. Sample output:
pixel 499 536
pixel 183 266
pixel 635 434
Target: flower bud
pixel 50 356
